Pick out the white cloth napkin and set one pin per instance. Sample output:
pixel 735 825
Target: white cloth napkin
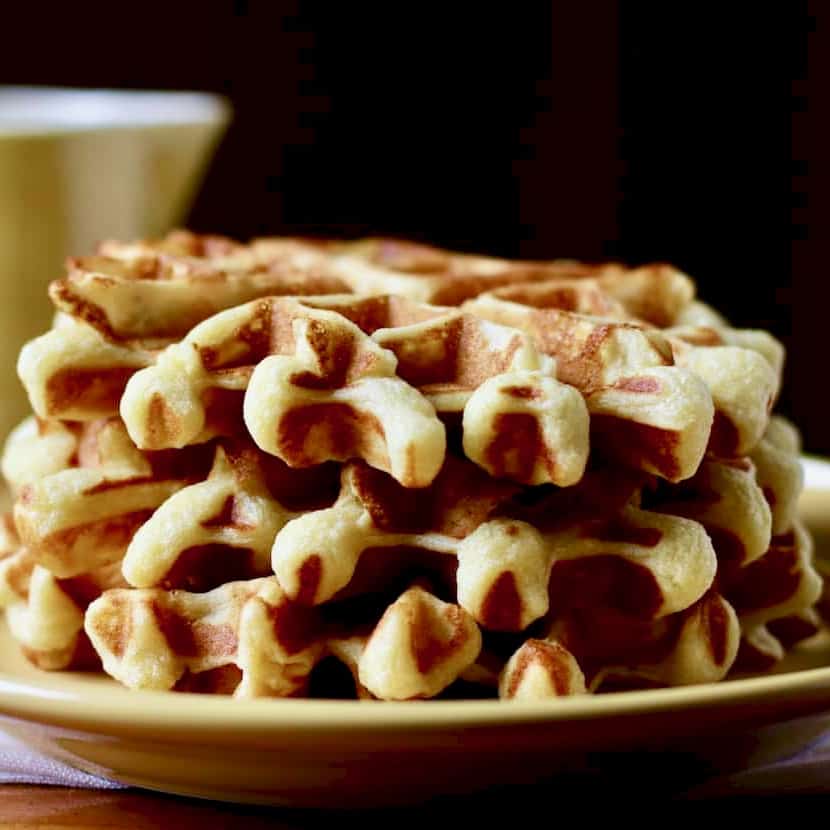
pixel 808 772
pixel 20 764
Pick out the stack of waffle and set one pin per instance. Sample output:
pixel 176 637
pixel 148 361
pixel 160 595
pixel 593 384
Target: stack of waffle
pixel 383 470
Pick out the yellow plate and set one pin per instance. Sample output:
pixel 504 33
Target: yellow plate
pixel 329 754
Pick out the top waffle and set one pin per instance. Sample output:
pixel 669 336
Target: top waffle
pixel 158 290
pixel 541 360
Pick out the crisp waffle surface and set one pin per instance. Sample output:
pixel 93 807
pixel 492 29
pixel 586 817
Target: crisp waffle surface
pixel 381 470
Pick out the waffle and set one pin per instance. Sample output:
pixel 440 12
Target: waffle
pixel 777 599
pixel 82 518
pixel 504 565
pixel 431 275
pixel 157 639
pixel 780 583
pixel 309 468
pixel 45 613
pixel 118 308
pixel 600 354
pixel 766 569
pixel 779 473
pixel 154 639
pixel 725 498
pixel 36 449
pixel 418 272
pixel 645 411
pixel 221 529
pixel 698 313
pixel 340 377
pixel 106 478
pixel 744 381
pixel 654 294
pixel 161 290
pixel 320 389
pixel 697 645
pixel 539 670
pixel 417 649
pixel 73 373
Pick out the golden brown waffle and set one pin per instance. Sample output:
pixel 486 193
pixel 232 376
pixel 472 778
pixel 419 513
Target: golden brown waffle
pixel 741 369
pixel 341 377
pixel 223 516
pixel 793 629
pixel 651 563
pixel 86 492
pixel 73 373
pixel 154 639
pixel 427 274
pixel 35 449
pixel 374 512
pixel 699 646
pixel 152 291
pixel 725 498
pixel 320 389
pixel 755 340
pixel 696 645
pixel 517 420
pixel 597 650
pixel 645 411
pixel 82 518
pixel 418 648
pixel 698 313
pixel 776 597
pixel 762 646
pixel 743 373
pixel 418 272
pixel 541 669
pixel 445 472
pixel 778 470
pixel 45 613
pixel 221 529
pixel 120 307
pixel 653 294
pixel 780 583
pixel 766 568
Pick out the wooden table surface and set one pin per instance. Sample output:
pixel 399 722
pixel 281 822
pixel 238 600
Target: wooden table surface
pixel 56 807
pixel 31 808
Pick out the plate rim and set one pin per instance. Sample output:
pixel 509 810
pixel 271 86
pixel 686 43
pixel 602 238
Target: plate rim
pixel 153 710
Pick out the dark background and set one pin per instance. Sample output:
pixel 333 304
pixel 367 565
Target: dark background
pixel 695 134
